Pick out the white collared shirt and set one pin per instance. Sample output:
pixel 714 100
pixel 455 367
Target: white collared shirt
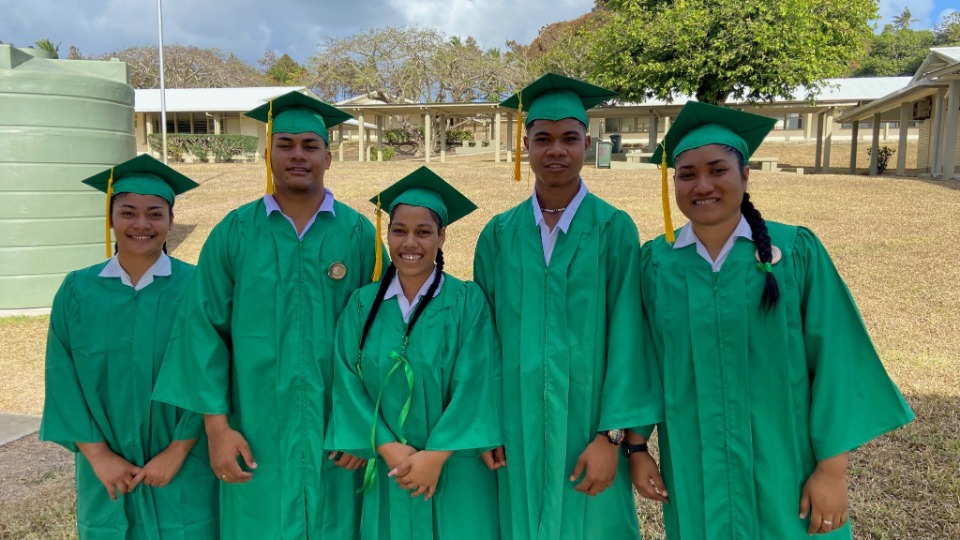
pixel 406 306
pixel 548 238
pixel 326 206
pixel 687 237
pixel 159 268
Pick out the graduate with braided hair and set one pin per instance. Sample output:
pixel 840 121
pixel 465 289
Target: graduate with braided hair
pixel 770 378
pixel 417 371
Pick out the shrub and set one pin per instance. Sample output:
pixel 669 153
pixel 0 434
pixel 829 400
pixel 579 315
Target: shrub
pixel 388 153
pixel 223 147
pixel 883 157
pixel 457 136
pixel 396 136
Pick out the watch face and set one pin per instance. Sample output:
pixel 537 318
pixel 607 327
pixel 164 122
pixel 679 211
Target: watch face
pixel 615 435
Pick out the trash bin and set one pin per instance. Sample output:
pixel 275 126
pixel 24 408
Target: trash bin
pixel 603 154
pixel 615 139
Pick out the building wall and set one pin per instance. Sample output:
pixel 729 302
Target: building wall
pixel 925 146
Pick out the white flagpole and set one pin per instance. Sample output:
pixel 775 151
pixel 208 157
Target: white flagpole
pixel 163 97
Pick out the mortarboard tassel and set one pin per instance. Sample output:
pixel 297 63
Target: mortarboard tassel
pixel 269 145
pixel 517 146
pixel 109 196
pixel 378 245
pixel 665 195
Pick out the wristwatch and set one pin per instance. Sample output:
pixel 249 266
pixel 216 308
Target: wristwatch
pixel 615 436
pixel 629 449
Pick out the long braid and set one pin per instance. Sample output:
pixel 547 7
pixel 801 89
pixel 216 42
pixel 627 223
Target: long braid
pixel 384 285
pixel 434 285
pixel 771 290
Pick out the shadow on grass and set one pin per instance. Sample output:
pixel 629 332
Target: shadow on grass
pixel 178 234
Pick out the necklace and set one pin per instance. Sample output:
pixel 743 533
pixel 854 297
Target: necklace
pixel 553 210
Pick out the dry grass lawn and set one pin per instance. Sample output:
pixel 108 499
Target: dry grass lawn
pixel 893 239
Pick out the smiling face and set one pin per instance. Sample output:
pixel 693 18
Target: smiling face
pixel 414 238
pixel 141 224
pixel 299 161
pixel 709 185
pixel 557 150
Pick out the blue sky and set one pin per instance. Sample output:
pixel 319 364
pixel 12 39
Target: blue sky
pixel 297 26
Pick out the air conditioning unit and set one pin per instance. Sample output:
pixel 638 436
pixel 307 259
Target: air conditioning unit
pixel 922 108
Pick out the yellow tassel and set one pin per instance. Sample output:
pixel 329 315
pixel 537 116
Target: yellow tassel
pixel 109 196
pixel 268 152
pixel 378 245
pixel 665 196
pixel 517 146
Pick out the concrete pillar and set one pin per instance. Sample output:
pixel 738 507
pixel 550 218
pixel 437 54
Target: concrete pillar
pixel 362 138
pixel 875 145
pixel 653 125
pixel 854 139
pixel 827 139
pixel 496 136
pixel 807 126
pixel 217 129
pixel 340 142
pixel 666 124
pixel 950 152
pixel 818 162
pixel 427 136
pixel 510 136
pixel 936 137
pixel 379 137
pixel 443 139
pixel 905 117
pixel 148 120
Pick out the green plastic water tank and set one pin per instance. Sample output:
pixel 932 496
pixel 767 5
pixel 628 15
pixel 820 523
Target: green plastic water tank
pixel 60 122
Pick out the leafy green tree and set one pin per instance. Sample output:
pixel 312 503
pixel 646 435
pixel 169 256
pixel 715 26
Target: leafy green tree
pixel 948 30
pixel 285 71
pixel 715 49
pixel 895 52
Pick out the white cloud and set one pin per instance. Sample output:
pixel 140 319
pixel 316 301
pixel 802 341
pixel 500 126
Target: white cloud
pixel 491 22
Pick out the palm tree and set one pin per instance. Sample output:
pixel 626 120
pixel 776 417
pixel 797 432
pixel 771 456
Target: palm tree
pixel 903 20
pixel 46 45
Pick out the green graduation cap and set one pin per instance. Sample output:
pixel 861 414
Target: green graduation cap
pixel 142 175
pixel 700 124
pixel 555 97
pixel 425 188
pixel 299 113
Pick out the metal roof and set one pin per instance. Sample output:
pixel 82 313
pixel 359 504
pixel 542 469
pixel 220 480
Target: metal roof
pixel 211 99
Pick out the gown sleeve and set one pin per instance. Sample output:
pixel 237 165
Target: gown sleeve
pixel 484 260
pixel 471 417
pixel 66 417
pixel 632 394
pixel 195 374
pixel 353 409
pixel 853 399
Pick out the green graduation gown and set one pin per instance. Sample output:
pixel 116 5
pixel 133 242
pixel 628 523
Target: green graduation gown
pixel 573 365
pixel 104 349
pixel 455 359
pixel 755 400
pixel 254 340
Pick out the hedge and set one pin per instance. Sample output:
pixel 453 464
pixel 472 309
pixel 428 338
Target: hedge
pixel 222 147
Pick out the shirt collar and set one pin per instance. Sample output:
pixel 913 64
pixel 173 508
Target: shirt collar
pixel 327 205
pixel 395 289
pixel 687 237
pixel 161 268
pixel 568 214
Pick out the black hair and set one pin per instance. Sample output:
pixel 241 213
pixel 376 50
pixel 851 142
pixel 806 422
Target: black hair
pixel 761 238
pixel 584 126
pixel 385 284
pixel 116 196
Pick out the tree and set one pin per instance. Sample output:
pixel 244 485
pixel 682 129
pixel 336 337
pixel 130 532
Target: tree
pixel 46 45
pixel 895 52
pixel 904 20
pixel 752 49
pixel 284 70
pixel 564 47
pixel 948 30
pixel 187 67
